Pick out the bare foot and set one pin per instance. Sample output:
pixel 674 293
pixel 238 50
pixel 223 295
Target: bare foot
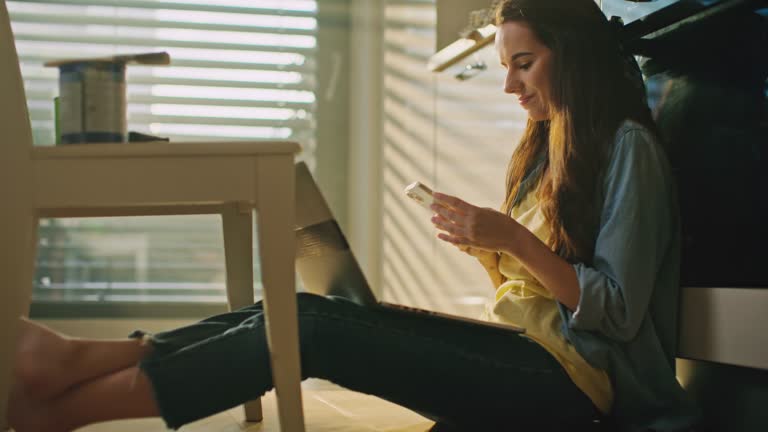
pixel 40 371
pixel 51 389
pixel 43 360
pixel 26 414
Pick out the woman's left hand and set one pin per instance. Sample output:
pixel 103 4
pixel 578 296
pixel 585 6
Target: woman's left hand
pixel 468 225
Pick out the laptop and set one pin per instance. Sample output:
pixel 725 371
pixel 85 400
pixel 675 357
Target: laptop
pixel 325 263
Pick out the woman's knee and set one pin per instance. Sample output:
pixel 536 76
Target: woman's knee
pixel 309 303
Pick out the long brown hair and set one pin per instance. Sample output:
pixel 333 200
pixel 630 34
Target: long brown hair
pixel 592 92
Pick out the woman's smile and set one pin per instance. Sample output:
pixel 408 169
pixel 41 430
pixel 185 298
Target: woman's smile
pixel 524 100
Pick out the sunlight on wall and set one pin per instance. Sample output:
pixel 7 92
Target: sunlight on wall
pixel 454 136
pixel 408 152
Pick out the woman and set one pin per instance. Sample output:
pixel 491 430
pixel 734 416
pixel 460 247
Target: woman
pixel 583 254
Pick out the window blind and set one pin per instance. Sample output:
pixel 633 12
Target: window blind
pixel 240 70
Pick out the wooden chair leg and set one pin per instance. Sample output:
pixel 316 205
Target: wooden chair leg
pixel 238 251
pixel 17 257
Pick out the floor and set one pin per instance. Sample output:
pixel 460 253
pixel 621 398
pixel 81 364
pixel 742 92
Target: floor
pixel 326 408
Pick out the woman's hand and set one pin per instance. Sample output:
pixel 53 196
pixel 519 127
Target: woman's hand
pixel 482 255
pixel 481 231
pixel 486 229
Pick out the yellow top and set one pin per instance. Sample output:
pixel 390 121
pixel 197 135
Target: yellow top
pixel 524 302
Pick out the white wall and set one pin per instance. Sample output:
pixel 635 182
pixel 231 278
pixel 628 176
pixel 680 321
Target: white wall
pixel 454 136
pixel 364 189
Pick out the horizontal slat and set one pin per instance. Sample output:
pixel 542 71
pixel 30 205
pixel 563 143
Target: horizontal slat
pixel 173 246
pixel 178 233
pixel 126 35
pixel 100 264
pixel 149 99
pixel 138 296
pixel 148 23
pixel 45 97
pixel 192 120
pixel 209 6
pixel 308 68
pixel 154 44
pixel 420 56
pixel 307 85
pixel 254 122
pixel 305 137
pixel 205 225
pixel 89 287
pixel 144 120
pixel 410 3
pixel 299 136
pixel 32 77
pixel 247 57
pixel 104 300
pixel 277 97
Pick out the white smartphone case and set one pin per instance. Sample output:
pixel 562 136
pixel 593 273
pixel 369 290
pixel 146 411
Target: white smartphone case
pixel 420 193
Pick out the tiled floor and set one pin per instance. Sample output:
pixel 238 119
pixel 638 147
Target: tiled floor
pixel 326 408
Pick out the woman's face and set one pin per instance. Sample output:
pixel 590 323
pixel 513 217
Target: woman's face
pixel 528 63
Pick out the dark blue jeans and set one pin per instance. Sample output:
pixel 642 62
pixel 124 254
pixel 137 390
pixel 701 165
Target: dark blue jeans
pixel 459 374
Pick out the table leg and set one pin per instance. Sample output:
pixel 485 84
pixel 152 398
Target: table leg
pixel 277 244
pixel 237 221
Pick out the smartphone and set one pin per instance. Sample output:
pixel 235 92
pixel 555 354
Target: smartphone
pixel 420 193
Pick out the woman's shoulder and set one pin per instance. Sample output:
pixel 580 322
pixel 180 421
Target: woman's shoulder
pixel 633 130
pixel 637 178
pixel 634 138
pixel 636 153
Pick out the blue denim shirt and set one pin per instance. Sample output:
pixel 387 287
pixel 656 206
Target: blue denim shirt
pixel 626 319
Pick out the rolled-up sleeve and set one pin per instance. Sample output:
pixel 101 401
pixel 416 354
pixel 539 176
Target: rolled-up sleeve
pixel 636 225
